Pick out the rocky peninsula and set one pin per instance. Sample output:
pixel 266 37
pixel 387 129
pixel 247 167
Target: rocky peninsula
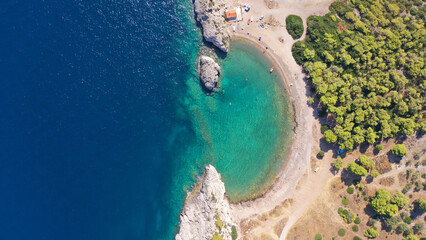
pixel 206 212
pixel 209 15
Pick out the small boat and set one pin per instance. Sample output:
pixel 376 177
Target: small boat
pixel 271 70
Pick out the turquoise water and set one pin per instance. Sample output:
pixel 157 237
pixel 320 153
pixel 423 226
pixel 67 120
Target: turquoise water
pixel 104 125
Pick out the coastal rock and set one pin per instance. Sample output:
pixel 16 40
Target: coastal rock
pixel 209 13
pixel 206 211
pixel 209 72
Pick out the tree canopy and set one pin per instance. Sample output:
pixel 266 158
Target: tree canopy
pixel 294 25
pixel 368 69
pixel 381 203
pixel 366 162
pixel 356 169
pixel 399 150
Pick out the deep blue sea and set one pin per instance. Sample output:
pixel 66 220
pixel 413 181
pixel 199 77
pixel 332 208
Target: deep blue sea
pixel 104 127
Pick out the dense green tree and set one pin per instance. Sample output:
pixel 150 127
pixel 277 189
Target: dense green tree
pixel 381 203
pixel 400 200
pixel 374 173
pixel 368 69
pixel 411 237
pixel 294 25
pixel 330 137
pixel 356 169
pixel 399 150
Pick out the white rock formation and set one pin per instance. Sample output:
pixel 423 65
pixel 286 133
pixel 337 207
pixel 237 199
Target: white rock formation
pixel 209 72
pixel 210 14
pixel 203 207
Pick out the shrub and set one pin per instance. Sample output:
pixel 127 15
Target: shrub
pixel 379 147
pixel 374 173
pixel 399 150
pixel 338 163
pixel 330 137
pixel 217 237
pixel 392 222
pixel 421 204
pixel 355 228
pixel 347 216
pixel 320 154
pixel 408 220
pixel 318 237
pixel 341 232
pixel 345 201
pixel 357 220
pixel 356 238
pixel 234 234
pixel 371 233
pixel 294 25
pixel 218 223
pixel 411 237
pixel 418 227
pixel 350 190
pixel 324 128
pixel 403 228
pixel 366 162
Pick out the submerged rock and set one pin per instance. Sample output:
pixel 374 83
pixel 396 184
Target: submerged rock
pixel 209 13
pixel 206 211
pixel 209 72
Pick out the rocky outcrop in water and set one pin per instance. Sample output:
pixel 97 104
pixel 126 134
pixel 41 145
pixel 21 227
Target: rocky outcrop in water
pixel 206 212
pixel 209 13
pixel 209 72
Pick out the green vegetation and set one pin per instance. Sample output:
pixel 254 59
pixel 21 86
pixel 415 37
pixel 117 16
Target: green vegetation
pixel 330 137
pixel 234 234
pixel 355 228
pixel 294 25
pixel 347 216
pixel 392 222
pixel 418 227
pixel 374 173
pixel 366 162
pixel 400 200
pixel 381 203
pixel 341 232
pixel 411 237
pixel 357 220
pixel 318 236
pixel 217 237
pixel 399 150
pixel 407 220
pixel 345 201
pixel 321 154
pixel 421 203
pixel 368 71
pixel 379 147
pixel 356 169
pixel 350 190
pixel 338 163
pixel 404 229
pixel 371 233
pixel 218 223
pixel 356 238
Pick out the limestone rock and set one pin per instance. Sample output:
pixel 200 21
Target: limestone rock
pixel 209 72
pixel 203 207
pixel 209 13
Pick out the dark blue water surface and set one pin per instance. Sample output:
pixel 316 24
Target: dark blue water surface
pixel 88 92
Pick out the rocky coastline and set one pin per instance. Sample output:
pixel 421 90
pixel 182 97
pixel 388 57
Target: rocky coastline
pixel 206 212
pixel 209 72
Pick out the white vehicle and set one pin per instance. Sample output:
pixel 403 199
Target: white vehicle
pixel 316 169
pixel 261 17
pixel 233 28
pixel 251 19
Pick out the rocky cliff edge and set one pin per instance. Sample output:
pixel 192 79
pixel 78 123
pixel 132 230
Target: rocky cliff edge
pixel 206 211
pixel 210 14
